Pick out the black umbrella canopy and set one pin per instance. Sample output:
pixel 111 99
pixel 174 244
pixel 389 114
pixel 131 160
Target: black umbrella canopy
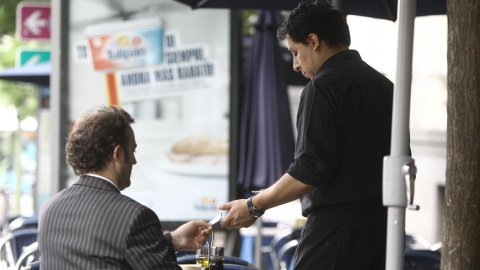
pixel 38 74
pixel 381 9
pixel 266 134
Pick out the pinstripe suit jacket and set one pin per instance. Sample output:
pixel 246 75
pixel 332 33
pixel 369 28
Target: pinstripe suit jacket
pixel 90 225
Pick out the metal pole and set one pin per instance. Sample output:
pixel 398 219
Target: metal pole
pixel 258 244
pixel 399 163
pixel 58 92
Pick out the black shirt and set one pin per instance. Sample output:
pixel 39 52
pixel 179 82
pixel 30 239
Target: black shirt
pixel 344 128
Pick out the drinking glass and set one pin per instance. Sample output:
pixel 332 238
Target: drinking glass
pixel 202 256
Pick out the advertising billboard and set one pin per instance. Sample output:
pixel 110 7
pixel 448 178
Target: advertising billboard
pixel 175 82
pixel 126 44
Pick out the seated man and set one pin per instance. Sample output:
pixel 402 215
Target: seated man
pixel 91 225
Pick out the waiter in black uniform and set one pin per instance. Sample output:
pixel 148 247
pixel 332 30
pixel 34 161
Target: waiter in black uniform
pixel 344 128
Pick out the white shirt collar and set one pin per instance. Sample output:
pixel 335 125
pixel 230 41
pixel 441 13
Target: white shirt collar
pixel 101 177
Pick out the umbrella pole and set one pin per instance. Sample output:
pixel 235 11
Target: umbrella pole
pixel 399 164
pixel 258 244
pixel 337 4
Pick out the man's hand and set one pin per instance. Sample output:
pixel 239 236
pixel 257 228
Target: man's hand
pixel 191 235
pixel 238 215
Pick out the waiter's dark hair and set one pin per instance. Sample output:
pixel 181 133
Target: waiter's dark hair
pixel 95 135
pixel 319 18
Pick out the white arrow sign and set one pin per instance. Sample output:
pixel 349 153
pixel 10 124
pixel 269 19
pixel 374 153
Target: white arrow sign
pixel 34 22
pixel 32 61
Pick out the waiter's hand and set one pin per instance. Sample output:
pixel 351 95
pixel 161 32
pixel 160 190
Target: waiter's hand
pixel 238 215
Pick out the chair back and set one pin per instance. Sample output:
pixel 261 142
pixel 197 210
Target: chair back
pixel 422 260
pixel 33 266
pixel 415 242
pixel 22 223
pixel 278 241
pixel 286 254
pixel 29 255
pixel 228 266
pixel 12 245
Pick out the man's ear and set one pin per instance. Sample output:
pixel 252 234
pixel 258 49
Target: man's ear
pixel 312 40
pixel 117 152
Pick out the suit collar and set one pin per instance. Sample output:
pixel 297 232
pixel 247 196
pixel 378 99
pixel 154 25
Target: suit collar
pixel 96 182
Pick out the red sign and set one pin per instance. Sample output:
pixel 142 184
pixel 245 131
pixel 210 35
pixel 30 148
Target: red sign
pixel 33 21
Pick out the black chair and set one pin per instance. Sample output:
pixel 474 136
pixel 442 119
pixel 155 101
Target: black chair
pixel 228 266
pixel 414 242
pixel 33 266
pixel 29 255
pixel 21 223
pixel 190 259
pixel 422 260
pixel 182 253
pixel 278 241
pixel 235 260
pixel 7 221
pixel 436 247
pixel 286 255
pixel 12 245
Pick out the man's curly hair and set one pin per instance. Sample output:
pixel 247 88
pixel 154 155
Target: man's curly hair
pixel 91 142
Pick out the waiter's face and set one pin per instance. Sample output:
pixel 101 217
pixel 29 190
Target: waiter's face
pixel 302 57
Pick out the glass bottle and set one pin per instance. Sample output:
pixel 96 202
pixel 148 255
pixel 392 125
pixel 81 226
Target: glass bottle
pixel 216 258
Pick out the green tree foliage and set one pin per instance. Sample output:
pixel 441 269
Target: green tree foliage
pixel 249 18
pixel 21 95
pixel 8 11
pixel 8 16
pixel 8 46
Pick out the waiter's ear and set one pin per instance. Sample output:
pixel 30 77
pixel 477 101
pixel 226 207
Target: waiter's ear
pixel 313 41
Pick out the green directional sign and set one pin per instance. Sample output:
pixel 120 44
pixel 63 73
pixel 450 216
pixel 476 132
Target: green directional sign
pixel 31 57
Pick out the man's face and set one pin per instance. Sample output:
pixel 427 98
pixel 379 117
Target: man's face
pixel 302 58
pixel 128 161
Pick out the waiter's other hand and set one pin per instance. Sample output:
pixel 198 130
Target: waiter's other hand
pixel 238 215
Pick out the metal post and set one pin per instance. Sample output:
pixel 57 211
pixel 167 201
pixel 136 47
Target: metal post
pixel 398 164
pixel 258 244
pixel 58 92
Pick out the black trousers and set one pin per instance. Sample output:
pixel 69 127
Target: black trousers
pixel 344 238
